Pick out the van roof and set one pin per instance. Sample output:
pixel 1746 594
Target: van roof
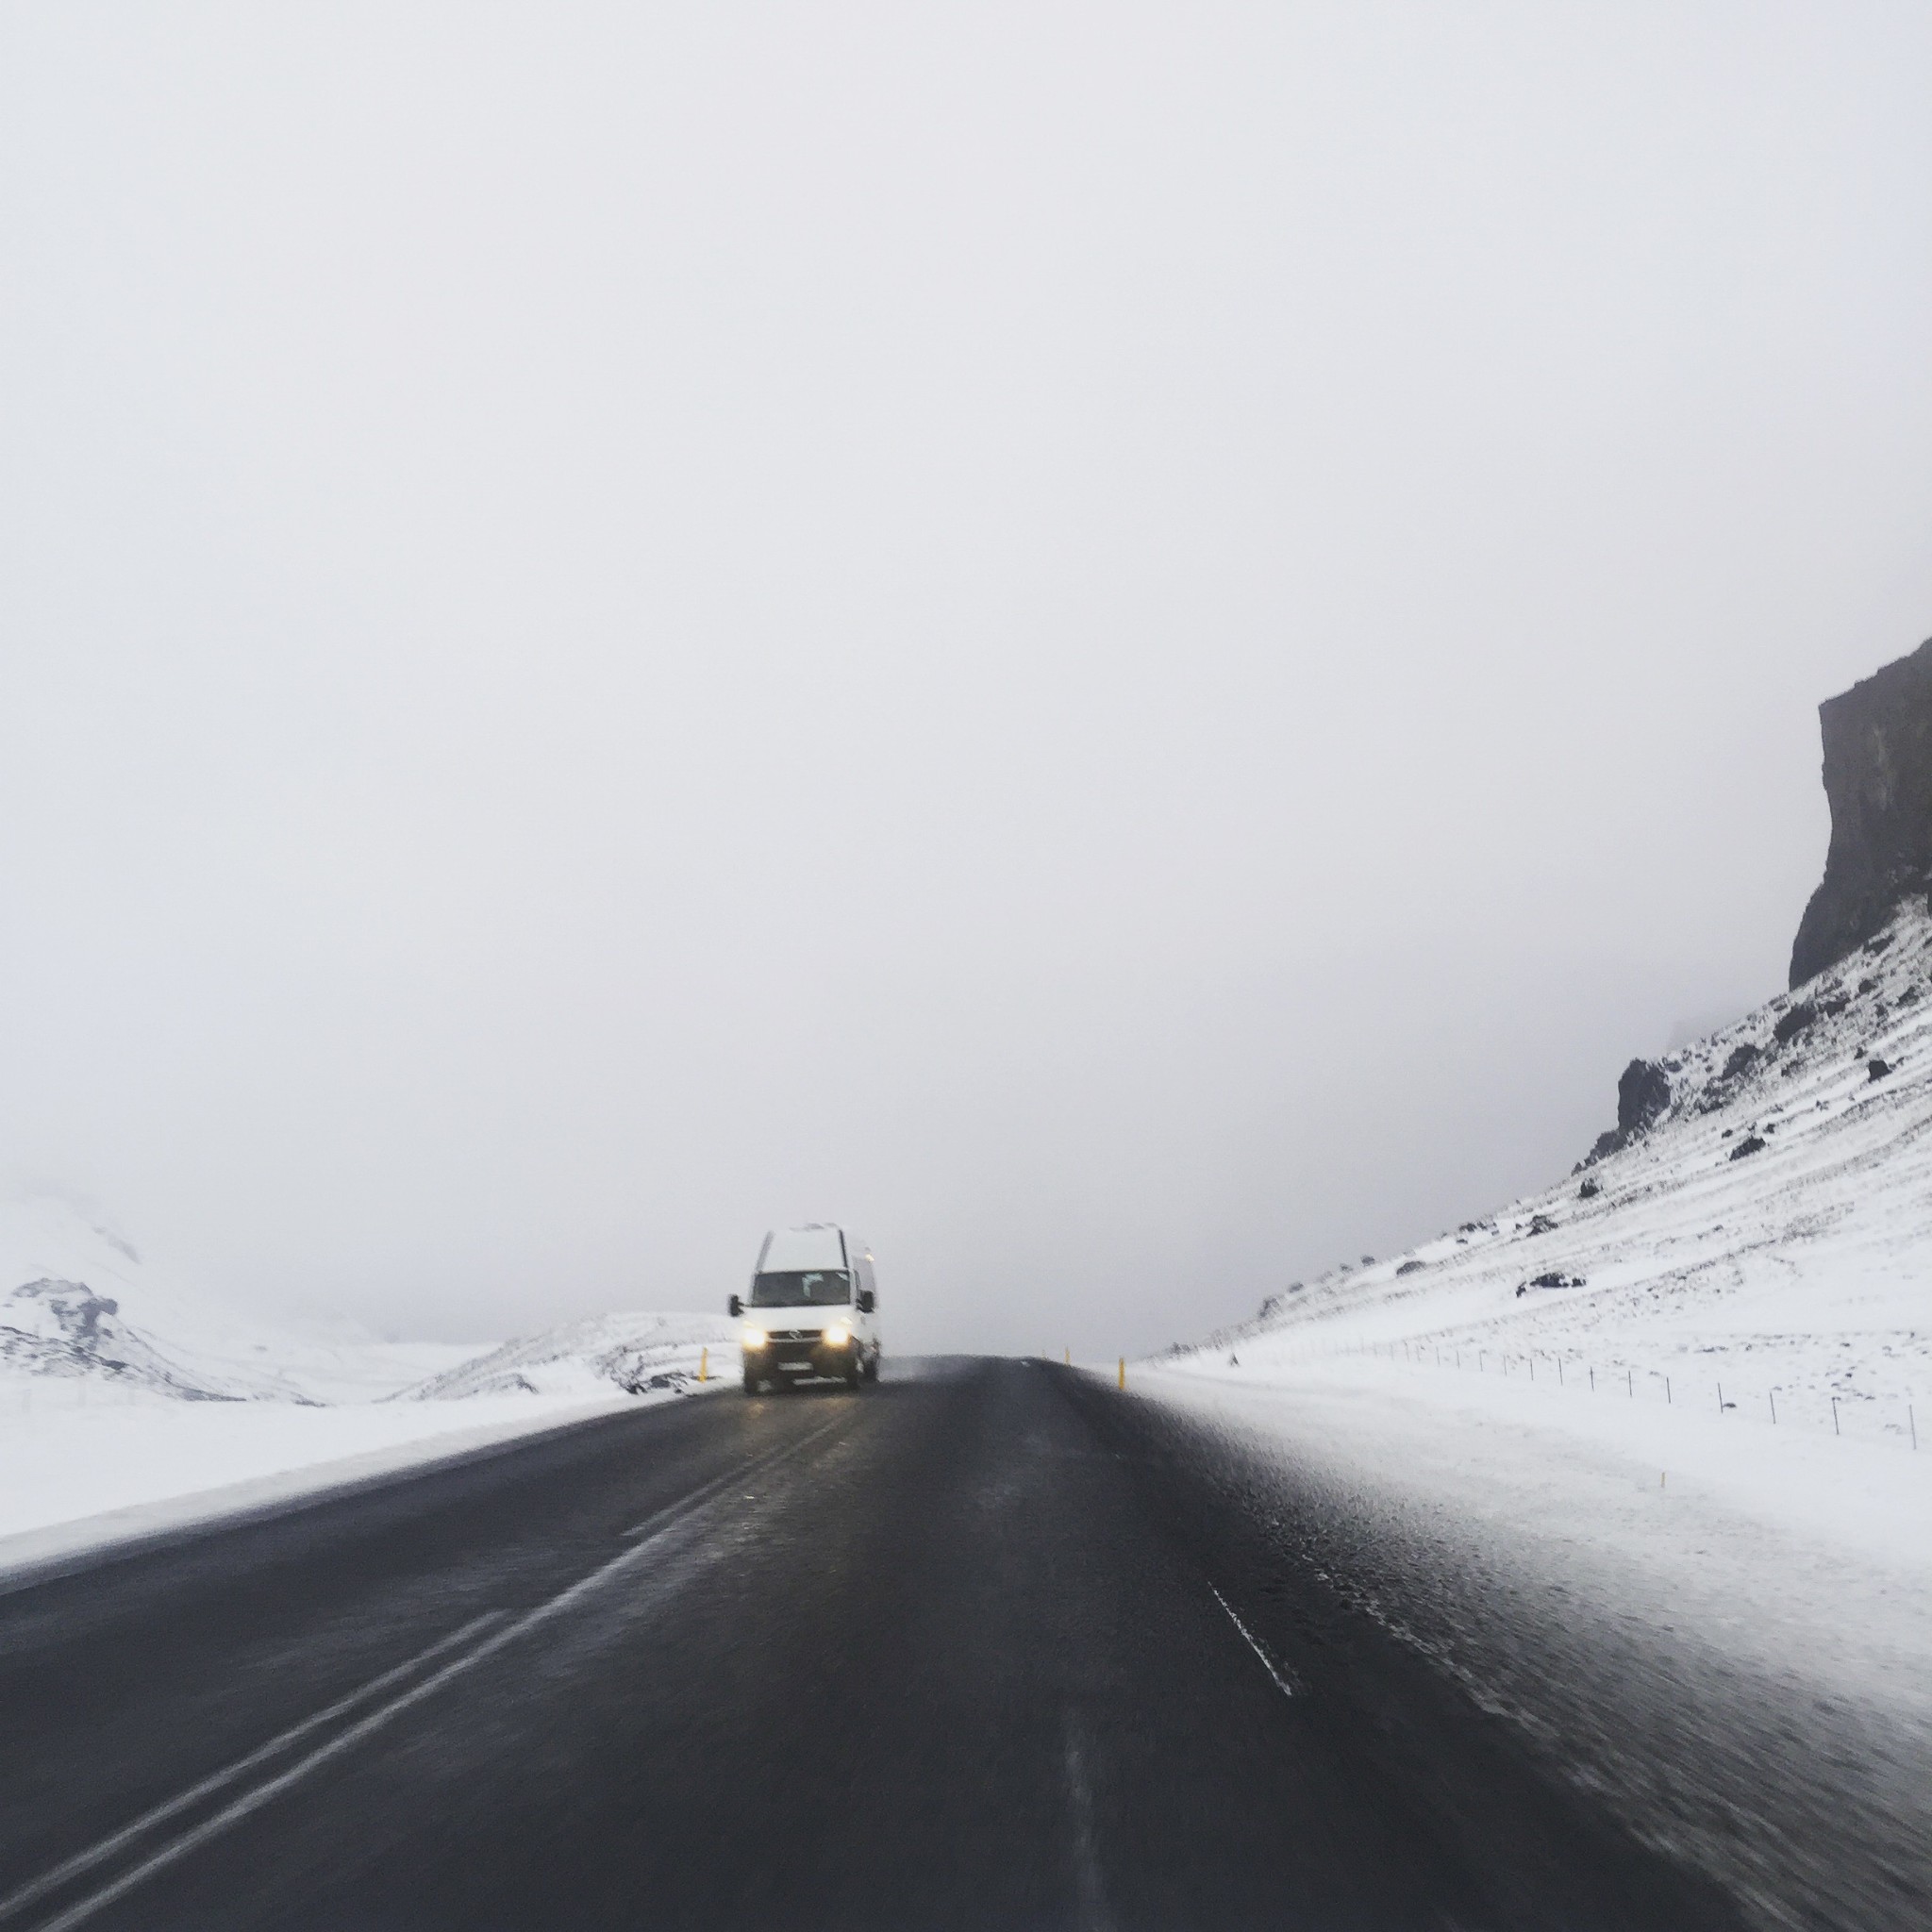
pixel 818 1244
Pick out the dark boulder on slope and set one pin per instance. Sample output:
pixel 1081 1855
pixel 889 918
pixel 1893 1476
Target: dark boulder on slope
pixel 1794 1023
pixel 1642 1093
pixel 1879 780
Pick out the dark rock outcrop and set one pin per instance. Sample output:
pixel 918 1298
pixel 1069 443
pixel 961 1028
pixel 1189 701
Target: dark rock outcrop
pixel 1642 1093
pixel 1794 1023
pixel 1879 779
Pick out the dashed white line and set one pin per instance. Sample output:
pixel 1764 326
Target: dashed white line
pixel 1268 1663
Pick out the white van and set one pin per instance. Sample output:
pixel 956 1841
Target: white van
pixel 812 1314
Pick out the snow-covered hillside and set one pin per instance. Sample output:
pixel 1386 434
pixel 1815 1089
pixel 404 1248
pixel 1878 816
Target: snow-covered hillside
pixel 602 1354
pixel 79 1307
pixel 1770 1232
pixel 130 1402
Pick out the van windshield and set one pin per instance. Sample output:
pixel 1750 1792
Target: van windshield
pixel 801 1289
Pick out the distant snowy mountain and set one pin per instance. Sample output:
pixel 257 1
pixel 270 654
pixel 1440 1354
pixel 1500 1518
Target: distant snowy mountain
pixel 1761 1218
pixel 631 1352
pixel 77 1302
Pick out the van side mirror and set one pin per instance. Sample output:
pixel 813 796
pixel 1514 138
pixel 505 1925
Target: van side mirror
pixel 734 1306
pixel 867 1300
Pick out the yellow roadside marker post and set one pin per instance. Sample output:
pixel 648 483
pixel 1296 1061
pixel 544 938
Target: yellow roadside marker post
pixel 704 1365
pixel 1124 1372
pixel 1067 1356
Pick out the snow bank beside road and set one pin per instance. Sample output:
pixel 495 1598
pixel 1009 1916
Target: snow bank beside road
pixel 83 1476
pixel 633 1352
pixel 1810 1547
pixel 1738 1657
pixel 92 1457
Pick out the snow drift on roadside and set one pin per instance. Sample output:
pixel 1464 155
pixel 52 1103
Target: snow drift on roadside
pixel 1723 1631
pixel 631 1351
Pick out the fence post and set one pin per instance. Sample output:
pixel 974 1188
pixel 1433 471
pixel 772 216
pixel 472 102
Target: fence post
pixel 1667 1392
pixel 1773 1408
pixel 1913 1421
pixel 1719 1401
pixel 1630 1376
pixel 1835 1429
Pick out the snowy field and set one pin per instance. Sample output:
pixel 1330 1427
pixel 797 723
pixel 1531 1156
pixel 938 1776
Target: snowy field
pixel 130 1403
pixel 1710 1365
pixel 1763 1249
pixel 1790 1543
pixel 84 1474
pixel 1740 1618
pixel 1678 1405
pixel 90 1463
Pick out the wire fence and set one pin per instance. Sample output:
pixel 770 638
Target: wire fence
pixel 31 1395
pixel 1845 1413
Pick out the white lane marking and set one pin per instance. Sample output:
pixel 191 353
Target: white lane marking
pixel 1095 1916
pixel 119 1840
pixel 662 1519
pixel 254 1800
pixel 1268 1664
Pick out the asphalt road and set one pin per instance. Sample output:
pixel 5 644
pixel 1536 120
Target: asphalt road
pixel 987 1645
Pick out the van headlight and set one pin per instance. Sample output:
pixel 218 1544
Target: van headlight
pixel 753 1338
pixel 836 1335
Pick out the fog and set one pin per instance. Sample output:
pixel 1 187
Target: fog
pixel 1129 647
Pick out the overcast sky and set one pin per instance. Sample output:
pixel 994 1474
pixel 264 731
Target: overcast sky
pixel 1131 647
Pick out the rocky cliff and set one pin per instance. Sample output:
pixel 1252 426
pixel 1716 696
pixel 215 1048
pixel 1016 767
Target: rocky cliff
pixel 1879 779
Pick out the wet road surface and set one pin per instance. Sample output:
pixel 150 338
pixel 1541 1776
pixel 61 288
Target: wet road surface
pixel 988 1645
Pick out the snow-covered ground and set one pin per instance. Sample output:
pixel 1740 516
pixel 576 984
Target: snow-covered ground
pixel 1708 1349
pixel 1681 1403
pixel 1794 1543
pixel 637 1352
pixel 78 1304
pixel 1770 1235
pixel 1723 1632
pixel 131 1403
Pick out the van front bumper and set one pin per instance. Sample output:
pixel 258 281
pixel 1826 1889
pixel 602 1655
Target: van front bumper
pixel 798 1354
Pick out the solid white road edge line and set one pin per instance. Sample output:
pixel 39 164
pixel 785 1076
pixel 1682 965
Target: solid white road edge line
pixel 252 1800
